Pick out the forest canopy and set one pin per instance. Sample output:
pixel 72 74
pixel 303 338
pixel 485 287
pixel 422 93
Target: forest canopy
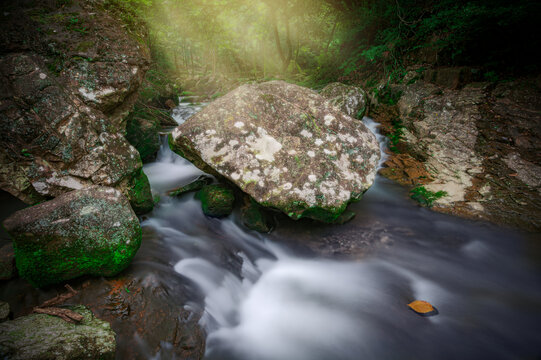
pixel 317 41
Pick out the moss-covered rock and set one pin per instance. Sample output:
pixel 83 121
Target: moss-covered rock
pixel 139 194
pixel 352 100
pixel 45 337
pixel 216 200
pixel 284 146
pixel 90 231
pixel 142 131
pixel 195 185
pixel 253 216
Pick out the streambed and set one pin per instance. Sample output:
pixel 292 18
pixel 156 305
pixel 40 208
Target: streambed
pixel 314 291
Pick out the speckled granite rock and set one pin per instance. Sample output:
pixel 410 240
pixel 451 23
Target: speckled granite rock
pixel 91 231
pixel 285 146
pixel 45 337
pixel 352 100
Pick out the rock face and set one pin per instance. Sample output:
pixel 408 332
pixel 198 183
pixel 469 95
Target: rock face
pixel 91 231
pixel 68 77
pixel 352 100
pixel 480 144
pixel 45 337
pixel 283 145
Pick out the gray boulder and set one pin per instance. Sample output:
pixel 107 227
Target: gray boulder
pixel 285 146
pixel 352 100
pixel 45 337
pixel 91 231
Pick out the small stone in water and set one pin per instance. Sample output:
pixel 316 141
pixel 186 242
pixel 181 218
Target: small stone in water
pixel 423 308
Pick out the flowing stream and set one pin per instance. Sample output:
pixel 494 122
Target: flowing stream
pixel 313 291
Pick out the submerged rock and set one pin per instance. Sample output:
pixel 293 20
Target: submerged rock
pixel 216 200
pixel 285 146
pixel 254 217
pixel 195 185
pixel 45 337
pixel 7 262
pixel 91 231
pixel 352 100
pixel 64 99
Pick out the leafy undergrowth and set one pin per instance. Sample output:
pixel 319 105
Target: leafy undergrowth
pixel 426 197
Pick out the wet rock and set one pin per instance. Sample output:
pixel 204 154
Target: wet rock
pixel 216 200
pixel 196 185
pixel 65 97
pixel 4 311
pixel 423 308
pixel 352 100
pixel 253 216
pixel 345 217
pixel 283 145
pixel 479 144
pixel 44 337
pixel 7 262
pixel 142 132
pixel 405 170
pixel 91 231
pixel 444 128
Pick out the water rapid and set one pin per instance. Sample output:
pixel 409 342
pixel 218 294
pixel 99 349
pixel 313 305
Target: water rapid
pixel 311 291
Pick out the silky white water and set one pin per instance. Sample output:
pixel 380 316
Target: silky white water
pixel 266 300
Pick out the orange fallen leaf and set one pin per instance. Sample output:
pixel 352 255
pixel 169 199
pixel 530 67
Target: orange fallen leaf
pixel 422 307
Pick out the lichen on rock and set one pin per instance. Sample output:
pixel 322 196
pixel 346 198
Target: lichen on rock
pixel 65 97
pixel 46 337
pixel 352 100
pixel 90 231
pixel 285 146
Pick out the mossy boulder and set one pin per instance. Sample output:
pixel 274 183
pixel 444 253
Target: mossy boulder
pixel 139 194
pixel 90 231
pixel 352 100
pixel 253 216
pixel 142 132
pixel 46 337
pixel 285 146
pixel 195 185
pixel 216 200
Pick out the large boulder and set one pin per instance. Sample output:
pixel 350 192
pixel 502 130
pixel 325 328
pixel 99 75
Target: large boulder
pixel 352 100
pixel 479 144
pixel 285 146
pixel 68 78
pixel 91 231
pixel 46 337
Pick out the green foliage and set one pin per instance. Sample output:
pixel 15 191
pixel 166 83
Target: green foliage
pixel 396 135
pixel 426 197
pixel 76 24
